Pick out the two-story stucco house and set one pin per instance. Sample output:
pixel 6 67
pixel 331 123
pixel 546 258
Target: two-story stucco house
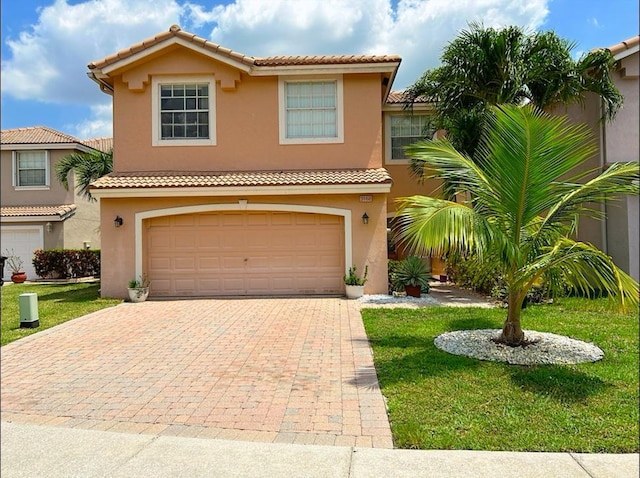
pixel 617 141
pixel 236 175
pixel 37 212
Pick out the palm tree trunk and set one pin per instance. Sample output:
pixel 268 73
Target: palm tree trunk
pixel 512 333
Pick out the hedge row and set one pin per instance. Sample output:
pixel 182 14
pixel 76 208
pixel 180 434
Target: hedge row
pixel 67 263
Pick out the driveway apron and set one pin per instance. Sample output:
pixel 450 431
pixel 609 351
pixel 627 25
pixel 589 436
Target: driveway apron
pixel 293 370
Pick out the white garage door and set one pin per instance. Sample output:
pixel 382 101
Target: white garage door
pixel 245 253
pixel 22 240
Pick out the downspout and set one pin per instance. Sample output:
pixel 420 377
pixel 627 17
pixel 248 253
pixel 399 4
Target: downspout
pixel 603 163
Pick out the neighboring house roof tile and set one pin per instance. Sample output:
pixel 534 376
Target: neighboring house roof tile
pixel 101 144
pixel 275 61
pixel 397 97
pixel 61 211
pixel 624 45
pixel 35 135
pixel 238 179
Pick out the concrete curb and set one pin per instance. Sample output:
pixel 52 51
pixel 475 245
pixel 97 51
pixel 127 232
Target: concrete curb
pixel 55 452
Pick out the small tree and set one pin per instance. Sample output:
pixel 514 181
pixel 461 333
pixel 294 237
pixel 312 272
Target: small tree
pixel 521 212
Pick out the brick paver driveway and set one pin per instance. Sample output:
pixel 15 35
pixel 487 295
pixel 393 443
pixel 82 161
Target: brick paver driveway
pixel 294 370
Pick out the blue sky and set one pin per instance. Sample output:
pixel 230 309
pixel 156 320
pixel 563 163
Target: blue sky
pixel 47 44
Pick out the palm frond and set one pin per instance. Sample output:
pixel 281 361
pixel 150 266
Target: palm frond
pixel 587 270
pixel 618 179
pixel 525 152
pixel 431 226
pixel 87 167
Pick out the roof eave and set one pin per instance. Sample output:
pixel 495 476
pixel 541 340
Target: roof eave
pixel 371 188
pixel 102 82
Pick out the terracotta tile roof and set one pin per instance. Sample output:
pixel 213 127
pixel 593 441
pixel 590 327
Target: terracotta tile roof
pixel 324 60
pixel 35 135
pixel 173 179
pixel 101 144
pixel 624 45
pixel 176 31
pixel 62 211
pixel 397 97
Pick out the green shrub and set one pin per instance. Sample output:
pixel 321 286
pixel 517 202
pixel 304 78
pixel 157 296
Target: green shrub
pixel 473 274
pixel 67 263
pixel 394 283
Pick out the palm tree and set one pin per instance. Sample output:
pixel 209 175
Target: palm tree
pixel 87 167
pixel 485 66
pixel 521 211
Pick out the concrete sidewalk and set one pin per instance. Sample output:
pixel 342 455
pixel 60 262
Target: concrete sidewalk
pixel 54 452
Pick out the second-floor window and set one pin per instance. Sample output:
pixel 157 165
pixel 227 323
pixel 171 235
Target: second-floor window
pixel 31 169
pixel 405 129
pixel 311 111
pixel 183 111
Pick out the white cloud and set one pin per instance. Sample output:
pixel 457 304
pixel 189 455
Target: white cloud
pixel 48 61
pixel 98 125
pixel 417 30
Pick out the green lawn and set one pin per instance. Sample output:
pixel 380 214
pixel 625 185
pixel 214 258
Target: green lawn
pixel 441 401
pixel 56 304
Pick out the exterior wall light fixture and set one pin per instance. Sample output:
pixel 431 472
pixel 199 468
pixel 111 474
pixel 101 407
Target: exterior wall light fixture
pixel 365 218
pixel 118 221
pixel 49 227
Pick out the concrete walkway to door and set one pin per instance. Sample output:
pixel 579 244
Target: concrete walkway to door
pixel 296 370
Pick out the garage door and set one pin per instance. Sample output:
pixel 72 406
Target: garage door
pixel 245 253
pixel 23 240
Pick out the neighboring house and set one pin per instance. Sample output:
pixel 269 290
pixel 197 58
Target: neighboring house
pixel 236 175
pixel 36 211
pixel 617 141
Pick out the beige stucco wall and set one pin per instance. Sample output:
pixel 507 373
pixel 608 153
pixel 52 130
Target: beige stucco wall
pixel 589 230
pixel 405 185
pixel 617 141
pixel 73 232
pixel 247 123
pixel 84 226
pixel 621 135
pixel 621 145
pixel 54 194
pixel 118 244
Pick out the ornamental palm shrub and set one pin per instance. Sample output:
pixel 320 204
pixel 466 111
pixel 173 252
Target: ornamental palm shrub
pixel 87 167
pixel 520 211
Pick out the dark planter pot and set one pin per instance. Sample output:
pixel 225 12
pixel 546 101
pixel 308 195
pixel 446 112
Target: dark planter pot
pixel 18 277
pixel 443 278
pixel 412 290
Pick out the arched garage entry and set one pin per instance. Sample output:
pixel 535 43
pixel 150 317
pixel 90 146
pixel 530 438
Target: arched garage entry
pixel 244 249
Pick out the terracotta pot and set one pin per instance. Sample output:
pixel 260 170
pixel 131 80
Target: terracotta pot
pixel 18 277
pixel 413 290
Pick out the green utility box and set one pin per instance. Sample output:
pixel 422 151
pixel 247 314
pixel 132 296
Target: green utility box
pixel 28 304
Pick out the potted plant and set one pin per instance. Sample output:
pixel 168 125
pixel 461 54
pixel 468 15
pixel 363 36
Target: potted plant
pixel 139 288
pixel 354 284
pixel 15 263
pixel 413 274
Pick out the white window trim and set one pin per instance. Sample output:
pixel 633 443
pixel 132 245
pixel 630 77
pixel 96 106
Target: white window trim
pixel 14 175
pixel 156 137
pixel 339 138
pixel 388 159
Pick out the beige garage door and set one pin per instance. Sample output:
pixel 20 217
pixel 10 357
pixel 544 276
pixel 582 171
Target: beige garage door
pixel 245 253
